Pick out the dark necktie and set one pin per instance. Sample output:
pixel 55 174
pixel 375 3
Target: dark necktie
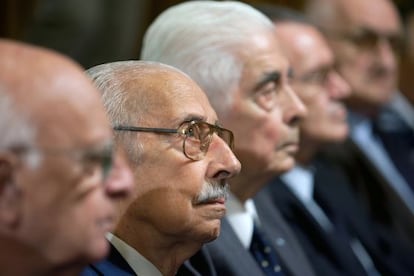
pixel 398 140
pixel 264 253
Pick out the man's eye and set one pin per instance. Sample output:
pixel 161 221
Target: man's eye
pixel 191 131
pixel 267 97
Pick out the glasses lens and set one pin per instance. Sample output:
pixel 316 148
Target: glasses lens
pixel 106 164
pixel 198 136
pixel 370 39
pixel 103 159
pixel 193 141
pixel 227 136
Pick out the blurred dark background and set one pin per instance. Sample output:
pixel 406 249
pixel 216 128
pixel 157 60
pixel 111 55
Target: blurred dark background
pixel 98 31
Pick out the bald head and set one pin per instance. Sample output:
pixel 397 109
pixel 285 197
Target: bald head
pixel 34 78
pixel 55 157
pixel 142 93
pixel 135 91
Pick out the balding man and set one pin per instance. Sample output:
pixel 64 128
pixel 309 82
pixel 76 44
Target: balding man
pixel 59 175
pixel 379 157
pixel 230 50
pixel 330 223
pixel 181 159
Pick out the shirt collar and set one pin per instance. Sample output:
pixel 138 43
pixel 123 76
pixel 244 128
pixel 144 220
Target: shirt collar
pixel 300 181
pixel 403 108
pixel 241 218
pixel 139 264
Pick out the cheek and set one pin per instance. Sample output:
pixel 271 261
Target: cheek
pixel 318 110
pixel 260 130
pixel 164 196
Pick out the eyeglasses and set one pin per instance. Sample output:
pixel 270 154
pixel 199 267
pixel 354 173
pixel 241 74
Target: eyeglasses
pixel 89 158
pixel 318 77
pixel 197 136
pixel 369 39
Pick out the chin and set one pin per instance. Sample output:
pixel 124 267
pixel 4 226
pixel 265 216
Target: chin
pixel 214 231
pixel 285 166
pixel 99 251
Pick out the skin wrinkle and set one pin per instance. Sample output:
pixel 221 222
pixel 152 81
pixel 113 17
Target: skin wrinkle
pixel 47 87
pixel 163 219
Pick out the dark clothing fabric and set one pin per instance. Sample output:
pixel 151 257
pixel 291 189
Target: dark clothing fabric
pixel 330 252
pixel 231 258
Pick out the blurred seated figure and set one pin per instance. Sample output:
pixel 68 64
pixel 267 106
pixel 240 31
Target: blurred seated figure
pixel 316 198
pixel 378 154
pixel 231 51
pixel 59 173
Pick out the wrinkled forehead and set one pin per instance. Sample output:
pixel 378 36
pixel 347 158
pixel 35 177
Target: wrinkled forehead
pixel 171 98
pixel 263 55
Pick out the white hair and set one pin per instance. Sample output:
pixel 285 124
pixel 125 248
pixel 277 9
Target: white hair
pixel 112 80
pixel 206 39
pixel 17 132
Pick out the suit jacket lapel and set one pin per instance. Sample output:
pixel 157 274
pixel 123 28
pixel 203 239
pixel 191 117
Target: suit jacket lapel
pixel 229 256
pixel 287 247
pixel 114 264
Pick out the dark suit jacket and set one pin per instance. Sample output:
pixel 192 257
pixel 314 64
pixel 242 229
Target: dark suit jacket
pixel 372 190
pixel 231 258
pixel 332 192
pixel 116 265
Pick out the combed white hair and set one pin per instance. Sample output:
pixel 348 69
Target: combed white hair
pixel 206 39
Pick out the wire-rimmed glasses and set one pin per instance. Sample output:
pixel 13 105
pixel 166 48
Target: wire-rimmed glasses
pixel 101 156
pixel 197 136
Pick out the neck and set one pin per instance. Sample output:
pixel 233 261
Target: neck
pixel 164 252
pixel 244 186
pixel 367 110
pixel 307 150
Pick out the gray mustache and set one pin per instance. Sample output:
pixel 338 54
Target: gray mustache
pixel 212 191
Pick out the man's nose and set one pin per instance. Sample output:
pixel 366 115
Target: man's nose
pixel 120 180
pixel 224 163
pixel 294 110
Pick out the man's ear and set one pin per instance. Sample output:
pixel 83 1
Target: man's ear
pixel 9 192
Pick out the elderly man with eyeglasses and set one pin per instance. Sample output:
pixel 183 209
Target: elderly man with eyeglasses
pixel 230 49
pixel 59 174
pixel 379 156
pixel 181 161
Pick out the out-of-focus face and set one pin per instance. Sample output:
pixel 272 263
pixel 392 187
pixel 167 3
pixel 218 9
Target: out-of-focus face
pixel 67 203
pixel 365 38
pixel 265 112
pixel 406 81
pixel 171 197
pixel 316 82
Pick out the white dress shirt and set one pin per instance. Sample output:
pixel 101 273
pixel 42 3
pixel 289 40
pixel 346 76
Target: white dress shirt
pixel 300 181
pixel 404 109
pixel 241 218
pixel 139 264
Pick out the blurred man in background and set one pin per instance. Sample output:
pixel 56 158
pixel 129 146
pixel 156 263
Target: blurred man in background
pixel 365 37
pixel 59 173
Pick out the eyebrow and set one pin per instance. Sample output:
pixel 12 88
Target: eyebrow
pixel 267 78
pixel 192 117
